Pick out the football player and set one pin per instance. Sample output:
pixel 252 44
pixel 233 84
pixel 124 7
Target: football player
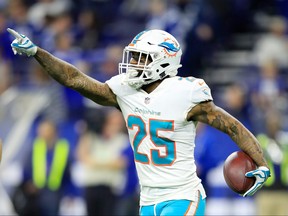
pixel 161 111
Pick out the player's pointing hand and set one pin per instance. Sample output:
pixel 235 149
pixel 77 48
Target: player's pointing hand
pixel 15 34
pixel 22 44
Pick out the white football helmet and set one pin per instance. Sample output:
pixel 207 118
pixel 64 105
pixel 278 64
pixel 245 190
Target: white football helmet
pixel 161 53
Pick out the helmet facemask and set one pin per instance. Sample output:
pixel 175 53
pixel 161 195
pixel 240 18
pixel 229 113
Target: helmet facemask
pixel 137 74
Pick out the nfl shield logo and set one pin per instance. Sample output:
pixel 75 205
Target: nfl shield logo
pixel 147 100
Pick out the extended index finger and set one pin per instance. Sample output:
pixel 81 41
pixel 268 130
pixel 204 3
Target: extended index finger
pixel 14 33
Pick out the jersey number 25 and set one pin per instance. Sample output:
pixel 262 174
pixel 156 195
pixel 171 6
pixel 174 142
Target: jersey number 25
pixel 155 125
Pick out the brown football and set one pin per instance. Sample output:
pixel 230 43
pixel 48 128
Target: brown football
pixel 235 167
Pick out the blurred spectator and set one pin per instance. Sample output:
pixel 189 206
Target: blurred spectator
pixel 268 91
pixel 211 31
pixel 65 49
pixel 46 177
pixel 5 38
pixel 128 203
pixel 55 25
pixel 41 82
pixel 272 199
pixel 201 38
pixel 273 45
pixel 6 79
pixel 42 8
pixel 109 65
pixel 5 74
pixel 235 101
pixel 281 8
pixel 171 17
pixel 17 14
pixel 137 9
pixel 17 11
pixel 87 30
pixel 104 164
pixel 3 4
pixel 200 42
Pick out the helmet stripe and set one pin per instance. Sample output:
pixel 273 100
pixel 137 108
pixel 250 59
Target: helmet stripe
pixel 136 38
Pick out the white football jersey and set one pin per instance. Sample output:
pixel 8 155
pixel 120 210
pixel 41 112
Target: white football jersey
pixel 162 139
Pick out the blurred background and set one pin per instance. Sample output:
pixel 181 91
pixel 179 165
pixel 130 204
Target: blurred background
pixel 240 47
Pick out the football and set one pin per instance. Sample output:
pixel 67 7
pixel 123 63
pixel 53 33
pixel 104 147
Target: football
pixel 234 169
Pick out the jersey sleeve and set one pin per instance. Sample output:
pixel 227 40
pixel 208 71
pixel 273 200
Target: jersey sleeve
pixel 114 83
pixel 117 86
pixel 201 92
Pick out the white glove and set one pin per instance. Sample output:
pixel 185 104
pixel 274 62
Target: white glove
pixel 261 174
pixel 22 44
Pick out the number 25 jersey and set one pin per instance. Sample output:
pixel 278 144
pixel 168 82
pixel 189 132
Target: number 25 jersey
pixel 162 139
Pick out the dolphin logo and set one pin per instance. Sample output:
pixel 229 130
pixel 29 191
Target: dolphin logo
pixel 169 46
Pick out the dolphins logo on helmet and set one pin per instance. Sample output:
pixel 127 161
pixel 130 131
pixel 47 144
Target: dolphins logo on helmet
pixel 170 46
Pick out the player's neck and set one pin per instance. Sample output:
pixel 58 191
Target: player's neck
pixel 152 86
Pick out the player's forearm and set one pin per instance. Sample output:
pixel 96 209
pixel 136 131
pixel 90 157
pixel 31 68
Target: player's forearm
pixel 218 118
pixel 61 71
pixel 239 134
pixel 247 142
pixel 70 76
